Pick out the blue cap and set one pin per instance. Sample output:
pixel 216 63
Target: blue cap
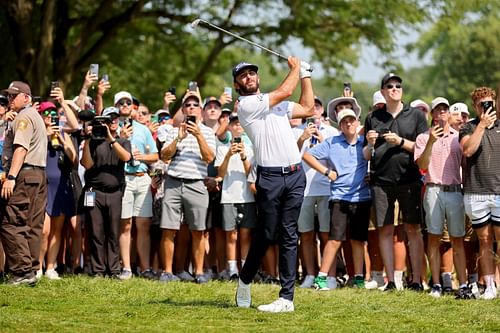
pixel 243 65
pixel 110 110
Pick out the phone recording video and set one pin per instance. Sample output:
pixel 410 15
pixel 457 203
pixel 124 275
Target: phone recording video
pixel 191 119
pixel 237 139
pixel 54 84
pixel 192 86
pixel 94 69
pixel 172 90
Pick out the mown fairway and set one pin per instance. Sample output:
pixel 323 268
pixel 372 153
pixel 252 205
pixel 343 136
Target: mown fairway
pixel 82 304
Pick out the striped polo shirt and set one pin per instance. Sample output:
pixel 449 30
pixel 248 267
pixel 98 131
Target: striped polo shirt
pixel 187 162
pixel 481 173
pixel 445 160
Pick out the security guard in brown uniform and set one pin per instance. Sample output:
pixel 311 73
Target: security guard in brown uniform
pixel 23 194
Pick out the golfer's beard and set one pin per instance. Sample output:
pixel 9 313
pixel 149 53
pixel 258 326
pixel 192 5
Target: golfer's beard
pixel 250 91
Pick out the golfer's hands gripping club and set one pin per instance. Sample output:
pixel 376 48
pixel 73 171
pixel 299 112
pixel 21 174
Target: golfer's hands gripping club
pixel 305 70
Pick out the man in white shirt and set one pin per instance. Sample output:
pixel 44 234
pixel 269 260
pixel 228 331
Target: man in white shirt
pixel 280 176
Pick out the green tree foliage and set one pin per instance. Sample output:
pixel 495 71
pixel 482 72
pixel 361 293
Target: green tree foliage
pixel 148 46
pixel 464 41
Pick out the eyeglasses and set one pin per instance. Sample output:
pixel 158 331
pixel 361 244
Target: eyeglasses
pixel 124 102
pixel 191 105
pixel 390 86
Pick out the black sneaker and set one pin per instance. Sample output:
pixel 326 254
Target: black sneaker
pixel 415 286
pixel 391 286
pixel 448 290
pixel 464 293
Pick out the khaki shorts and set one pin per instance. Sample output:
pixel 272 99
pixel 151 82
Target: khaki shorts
pixel 137 198
pixel 184 199
pixel 311 206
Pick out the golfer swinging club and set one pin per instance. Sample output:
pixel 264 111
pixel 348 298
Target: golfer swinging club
pixel 280 178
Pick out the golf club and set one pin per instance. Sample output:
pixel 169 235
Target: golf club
pixel 196 22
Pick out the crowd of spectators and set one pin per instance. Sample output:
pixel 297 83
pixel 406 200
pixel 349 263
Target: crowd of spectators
pixel 170 195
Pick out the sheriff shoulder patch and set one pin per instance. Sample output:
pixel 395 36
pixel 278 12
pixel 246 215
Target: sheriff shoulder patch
pixel 22 125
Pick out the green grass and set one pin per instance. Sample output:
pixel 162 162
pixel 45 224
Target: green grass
pixel 95 305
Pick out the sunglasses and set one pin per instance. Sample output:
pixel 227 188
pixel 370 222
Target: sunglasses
pixel 144 113
pixel 47 113
pixel 164 118
pixel 390 86
pixel 4 104
pixel 193 105
pixel 124 102
pixel 11 96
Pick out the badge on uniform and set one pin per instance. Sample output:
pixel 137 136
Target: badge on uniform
pixel 89 199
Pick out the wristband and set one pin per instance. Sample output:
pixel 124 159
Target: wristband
pixel 402 142
pixel 327 172
pixel 243 159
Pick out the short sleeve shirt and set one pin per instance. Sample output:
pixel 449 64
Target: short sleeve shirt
pixel 107 172
pixel 30 133
pixel 187 162
pixel 269 130
pixel 351 167
pixel 445 159
pixel 481 174
pixel 316 183
pixel 391 164
pixel 141 140
pixel 235 187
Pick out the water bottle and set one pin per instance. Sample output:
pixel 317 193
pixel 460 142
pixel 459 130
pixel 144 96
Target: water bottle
pixel 133 162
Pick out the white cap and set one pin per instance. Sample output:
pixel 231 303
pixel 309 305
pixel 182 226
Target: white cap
pixel 459 107
pixel 346 113
pixel 122 94
pixel 439 100
pixel 378 98
pixel 418 102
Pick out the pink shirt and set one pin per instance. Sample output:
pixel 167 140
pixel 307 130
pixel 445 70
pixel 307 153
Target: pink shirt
pixel 445 160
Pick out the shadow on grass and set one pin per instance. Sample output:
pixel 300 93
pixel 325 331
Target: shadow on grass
pixel 198 302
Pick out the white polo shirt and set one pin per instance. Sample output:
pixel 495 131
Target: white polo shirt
pixel 269 130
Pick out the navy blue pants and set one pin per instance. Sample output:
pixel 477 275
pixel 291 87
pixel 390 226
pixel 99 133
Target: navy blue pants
pixel 279 199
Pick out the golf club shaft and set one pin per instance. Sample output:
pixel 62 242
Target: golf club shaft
pixel 244 39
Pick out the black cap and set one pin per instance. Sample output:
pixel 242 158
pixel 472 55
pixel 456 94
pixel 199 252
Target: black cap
pixel 4 100
pixel 243 65
pixel 318 100
pixel 388 77
pixel 233 118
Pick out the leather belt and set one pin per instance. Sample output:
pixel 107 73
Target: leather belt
pixel 135 174
pixel 185 180
pixel 447 188
pixel 32 167
pixel 281 170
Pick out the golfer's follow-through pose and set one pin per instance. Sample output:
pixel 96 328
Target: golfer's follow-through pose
pixel 280 178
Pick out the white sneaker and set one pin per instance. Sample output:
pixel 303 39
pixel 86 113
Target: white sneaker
pixel 331 282
pixel 279 305
pixel 489 293
pixel 39 274
pixel 52 275
pixel 243 295
pixel 372 284
pixel 308 281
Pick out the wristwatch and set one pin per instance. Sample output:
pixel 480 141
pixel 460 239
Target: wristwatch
pixel 11 177
pixel 327 172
